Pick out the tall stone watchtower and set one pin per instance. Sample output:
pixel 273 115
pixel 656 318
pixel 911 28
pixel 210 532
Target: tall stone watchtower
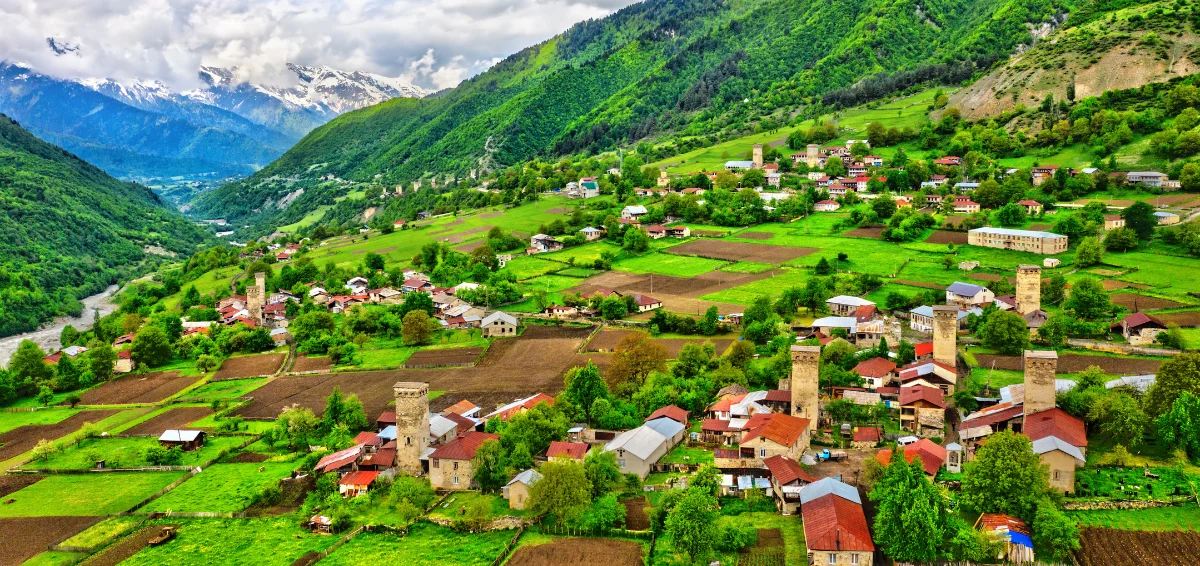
pixel 945 334
pixel 805 383
pixel 813 157
pixel 412 424
pixel 1029 289
pixel 1040 366
pixel 758 156
pixel 256 297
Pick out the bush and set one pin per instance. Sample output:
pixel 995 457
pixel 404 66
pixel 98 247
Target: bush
pixel 160 456
pixel 736 537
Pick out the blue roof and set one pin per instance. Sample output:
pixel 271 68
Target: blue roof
pixel 964 289
pixel 1020 538
pixel 388 433
pixel 665 426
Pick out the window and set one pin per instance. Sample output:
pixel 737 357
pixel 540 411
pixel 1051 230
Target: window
pixel 408 441
pixel 854 559
pixel 622 463
pixel 1056 475
pixel 455 480
pixel 435 463
pixel 456 466
pixel 832 558
pixel 762 452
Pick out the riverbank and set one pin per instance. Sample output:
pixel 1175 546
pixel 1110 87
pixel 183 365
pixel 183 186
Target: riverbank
pixel 47 336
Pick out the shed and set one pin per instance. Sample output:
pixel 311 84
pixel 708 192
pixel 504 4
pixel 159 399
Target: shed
pixel 185 440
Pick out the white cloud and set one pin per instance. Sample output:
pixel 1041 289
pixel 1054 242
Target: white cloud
pixel 437 43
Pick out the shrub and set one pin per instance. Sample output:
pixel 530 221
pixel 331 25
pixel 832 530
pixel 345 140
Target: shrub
pixel 736 537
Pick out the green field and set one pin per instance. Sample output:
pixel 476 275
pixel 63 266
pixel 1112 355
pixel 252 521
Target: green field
pixel 770 286
pixel 668 264
pixel 105 531
pixel 264 542
pixel 550 283
pixel 308 220
pixel 425 545
pixel 527 267
pixel 585 254
pixel 1183 517
pixel 84 495
pixel 454 505
pixel 53 558
pixel 221 488
pixel 127 453
pixel 9 421
pixel 391 353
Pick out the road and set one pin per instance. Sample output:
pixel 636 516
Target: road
pixel 47 336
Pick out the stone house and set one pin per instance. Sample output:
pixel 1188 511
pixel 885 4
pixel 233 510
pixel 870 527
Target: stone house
pixel 450 464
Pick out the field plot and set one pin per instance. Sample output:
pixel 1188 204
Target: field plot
pixel 869 233
pixel 669 264
pixel 579 552
pixel 443 358
pixel 305 364
pixel 27 537
pixel 769 549
pixel 636 518
pixel 226 389
pixel 133 388
pixel 1185 318
pixel 741 251
pixel 947 237
pixel 11 484
pixel 1176 518
pixel 104 532
pixel 1114 285
pixel 126 548
pixel 170 420
pixel 250 366
pixel 678 294
pixel 536 361
pixel 1112 547
pixel 1075 363
pixel 9 421
pixel 424 545
pixel 22 439
pixel 752 235
pixel 79 495
pixel 1136 302
pixel 127 452
pixel 262 542
pixel 607 341
pixel 221 488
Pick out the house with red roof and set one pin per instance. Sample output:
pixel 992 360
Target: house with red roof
pixel 835 527
pixel 572 450
pixel 450 464
pixel 922 410
pixel 340 461
pixel 519 406
pixel 656 231
pixel 923 351
pixel 1139 327
pixel 124 363
pixel 1012 532
pixel 646 302
pixel 932 456
pixel 877 372
pixel 865 437
pixel 787 479
pixel 354 484
pixel 671 412
pixel 775 434
pixel 1032 207
pixel 948 161
pixel 826 206
pixel 1060 440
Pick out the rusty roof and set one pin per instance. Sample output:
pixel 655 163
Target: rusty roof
pixel 1056 422
pixel 782 429
pixel 463 447
pixel 786 470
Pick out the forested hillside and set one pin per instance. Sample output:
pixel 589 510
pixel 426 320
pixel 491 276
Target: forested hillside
pixel 68 230
pixel 655 69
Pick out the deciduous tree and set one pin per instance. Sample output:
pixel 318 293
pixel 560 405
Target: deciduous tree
pixel 563 491
pixel 1005 477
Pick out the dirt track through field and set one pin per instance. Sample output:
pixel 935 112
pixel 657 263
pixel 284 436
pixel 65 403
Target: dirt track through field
pixel 579 552
pixel 134 388
pixel 26 537
pixel 23 438
pixel 1075 363
pixel 250 366
pixel 740 251
pixel 511 368
pixel 171 420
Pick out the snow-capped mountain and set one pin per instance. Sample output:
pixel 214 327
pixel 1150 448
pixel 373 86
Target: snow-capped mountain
pixel 344 91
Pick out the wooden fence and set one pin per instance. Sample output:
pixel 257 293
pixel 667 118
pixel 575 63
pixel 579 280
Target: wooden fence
pixel 512 543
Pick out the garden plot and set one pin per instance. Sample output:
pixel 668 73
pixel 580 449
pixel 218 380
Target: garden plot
pixel 1075 363
pixel 678 294
pixel 636 518
pixel 449 357
pixel 607 341
pixel 1185 318
pixel 134 388
pixel 221 488
pixel 751 235
pixel 26 537
pixel 425 544
pixel 741 251
pixel 875 233
pixel 1136 302
pixel 947 237
pixel 579 552
pixel 170 420
pixel 127 452
pixel 305 364
pixel 262 542
pixel 11 484
pixel 22 439
pixel 1112 547
pixel 86 495
pixel 250 366
pixel 1114 285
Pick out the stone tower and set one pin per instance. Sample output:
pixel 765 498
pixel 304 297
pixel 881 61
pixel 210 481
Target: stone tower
pixel 805 383
pixel 758 156
pixel 412 424
pixel 945 334
pixel 663 179
pixel 256 297
pixel 813 157
pixel 1029 289
pixel 1039 380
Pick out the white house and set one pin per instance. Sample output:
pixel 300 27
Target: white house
pixel 966 295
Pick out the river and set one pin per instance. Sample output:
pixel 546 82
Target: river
pixel 47 336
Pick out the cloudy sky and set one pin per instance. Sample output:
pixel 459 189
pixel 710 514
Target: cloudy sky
pixel 434 43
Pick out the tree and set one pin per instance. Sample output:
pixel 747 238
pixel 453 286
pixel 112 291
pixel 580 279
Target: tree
pixel 1140 218
pixel 1180 426
pixel 1176 376
pixel 170 324
pixel 45 396
pixel 1089 300
pixel 1006 476
pixel 1054 290
pixel 151 347
pixel 635 357
pixel 606 512
pixel 1004 331
pixel 602 471
pixel 297 425
pixel 708 324
pixel 416 328
pixel 68 374
pixel 910 520
pixel 583 386
pixel 1011 214
pixel 823 267
pixel 73 399
pixel 489 466
pixel 884 207
pixel 635 240
pixel 28 365
pixel 692 524
pixel 374 261
pixel 563 490
pixel 1088 253
pixel 1120 240
pixel 1054 531
pixel 1120 417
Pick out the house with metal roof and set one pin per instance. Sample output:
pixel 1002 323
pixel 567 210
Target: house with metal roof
pixel 640 448
pixel 185 440
pixel 1012 532
pixel 499 324
pixel 967 295
pixel 1062 458
pixel 835 527
pixel 788 479
pixel 516 491
pixel 1034 241
pixel 846 305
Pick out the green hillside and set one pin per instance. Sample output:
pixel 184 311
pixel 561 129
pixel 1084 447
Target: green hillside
pixel 68 230
pixel 694 67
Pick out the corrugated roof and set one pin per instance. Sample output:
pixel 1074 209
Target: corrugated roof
pixel 1052 443
pixel 576 450
pixel 463 447
pixel 964 289
pixel 875 367
pixel 932 395
pixel 1055 422
pixel 1012 232
pixel 786 470
pixel 642 442
pixel 180 435
pixel 670 412
pixel 829 486
pixel 782 429
pixel 528 477
pixel 359 478
pixel 666 426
